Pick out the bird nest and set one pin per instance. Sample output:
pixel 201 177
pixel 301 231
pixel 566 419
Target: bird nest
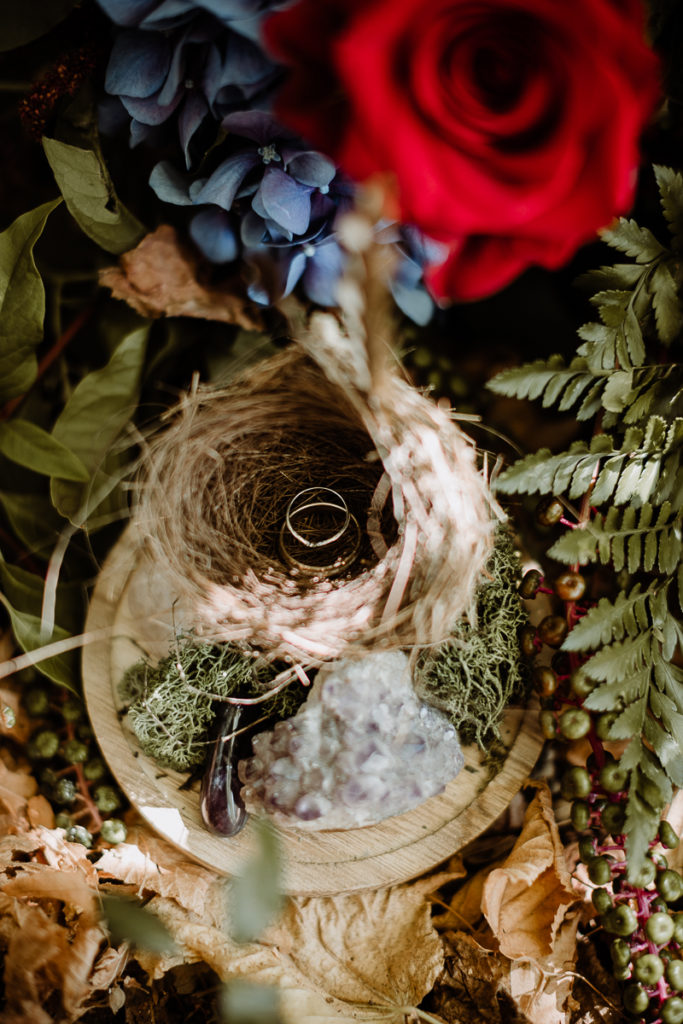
pixel 219 480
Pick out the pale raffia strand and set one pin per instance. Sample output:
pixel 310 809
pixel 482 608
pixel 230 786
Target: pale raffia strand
pixel 219 479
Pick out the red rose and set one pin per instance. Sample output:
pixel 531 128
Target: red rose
pixel 511 126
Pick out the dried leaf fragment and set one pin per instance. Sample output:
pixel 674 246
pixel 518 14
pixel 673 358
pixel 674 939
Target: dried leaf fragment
pixel 159 278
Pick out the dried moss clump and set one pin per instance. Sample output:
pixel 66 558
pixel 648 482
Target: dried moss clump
pixel 476 674
pixel 173 703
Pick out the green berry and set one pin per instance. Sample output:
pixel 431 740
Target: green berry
pixel 531 581
pixel 75 752
pixel 613 817
pixel 48 779
pixel 548 724
pixel 674 974
pixel 636 999
pixel 620 952
pixel 62 820
pixel 602 901
pixel 113 831
pixel 580 815
pixel 552 630
pixel 600 870
pixel 7 716
pixel 659 904
pixel 71 710
pixel 580 684
pixel 613 778
pixel 107 799
pixel 545 681
pixel 621 920
pixel 422 358
pixel 621 973
pixel 604 724
pixel 36 701
pixel 648 969
pixel 79 834
pixel 575 723
pixel 576 783
pixel 651 793
pixel 527 641
pixel 667 836
pixel 678 928
pixel 670 885
pixel 644 876
pixel 549 511
pixel 84 731
pixel 570 586
pixel 43 745
pixel 66 791
pixel 95 770
pixel 586 848
pixel 659 928
pixel 672 1010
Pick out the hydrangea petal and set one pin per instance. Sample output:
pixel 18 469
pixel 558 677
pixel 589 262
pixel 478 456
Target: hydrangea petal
pixel 256 125
pixel 252 229
pixel 169 184
pixel 193 112
pixel 211 230
pixel 149 111
pixel 222 186
pixel 285 201
pixel 311 168
pixel 127 12
pixel 323 270
pixel 138 64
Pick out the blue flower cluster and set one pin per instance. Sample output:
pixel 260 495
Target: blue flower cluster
pixel 261 195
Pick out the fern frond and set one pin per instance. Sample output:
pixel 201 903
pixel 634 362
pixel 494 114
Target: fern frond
pixel 608 621
pixel 554 383
pixel 631 538
pixel 670 184
pixel 637 242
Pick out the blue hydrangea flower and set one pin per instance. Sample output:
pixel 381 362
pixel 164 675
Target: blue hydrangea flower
pixel 283 191
pixel 200 71
pixel 274 272
pixel 242 16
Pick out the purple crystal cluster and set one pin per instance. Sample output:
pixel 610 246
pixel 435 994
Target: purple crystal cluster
pixel 362 748
pixel 195 81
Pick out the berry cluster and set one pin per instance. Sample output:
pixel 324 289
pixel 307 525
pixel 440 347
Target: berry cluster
pixel 639 912
pixel 71 774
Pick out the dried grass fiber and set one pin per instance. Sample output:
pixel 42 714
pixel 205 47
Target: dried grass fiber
pixel 218 481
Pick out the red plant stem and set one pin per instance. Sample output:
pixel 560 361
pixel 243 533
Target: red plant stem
pixel 48 359
pixel 84 786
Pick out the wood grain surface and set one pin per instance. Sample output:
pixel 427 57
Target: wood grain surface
pixel 141 614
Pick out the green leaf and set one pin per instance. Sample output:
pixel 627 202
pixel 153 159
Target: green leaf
pixel 128 921
pixel 245 1002
pixel 628 237
pixel 256 893
pixel 22 301
pixel 94 417
pixel 32 519
pixel 670 184
pixel 22 23
pixel 666 304
pixel 29 445
pixel 28 633
pixel 618 390
pixel 84 182
pixel 642 822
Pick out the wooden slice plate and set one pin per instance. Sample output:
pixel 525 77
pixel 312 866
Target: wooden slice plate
pixel 141 614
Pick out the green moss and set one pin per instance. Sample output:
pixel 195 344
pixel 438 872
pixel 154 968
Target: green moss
pixel 171 705
pixel 473 676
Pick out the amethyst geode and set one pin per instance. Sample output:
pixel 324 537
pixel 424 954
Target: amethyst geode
pixel 362 748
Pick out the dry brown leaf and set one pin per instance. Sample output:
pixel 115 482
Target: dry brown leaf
pixel 159 278
pixel 542 988
pixel 15 789
pixel 526 899
pixel 474 988
pixel 37 882
pixel 372 948
pixel 39 812
pixel 465 906
pixel 148 863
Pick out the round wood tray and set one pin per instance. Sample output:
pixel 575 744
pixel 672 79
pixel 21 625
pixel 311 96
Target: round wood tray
pixel 316 863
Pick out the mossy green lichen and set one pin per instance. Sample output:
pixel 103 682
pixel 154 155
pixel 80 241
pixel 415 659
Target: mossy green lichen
pixel 172 704
pixel 473 676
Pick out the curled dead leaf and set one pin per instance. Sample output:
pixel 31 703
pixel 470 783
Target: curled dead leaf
pixel 159 277
pixel 526 899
